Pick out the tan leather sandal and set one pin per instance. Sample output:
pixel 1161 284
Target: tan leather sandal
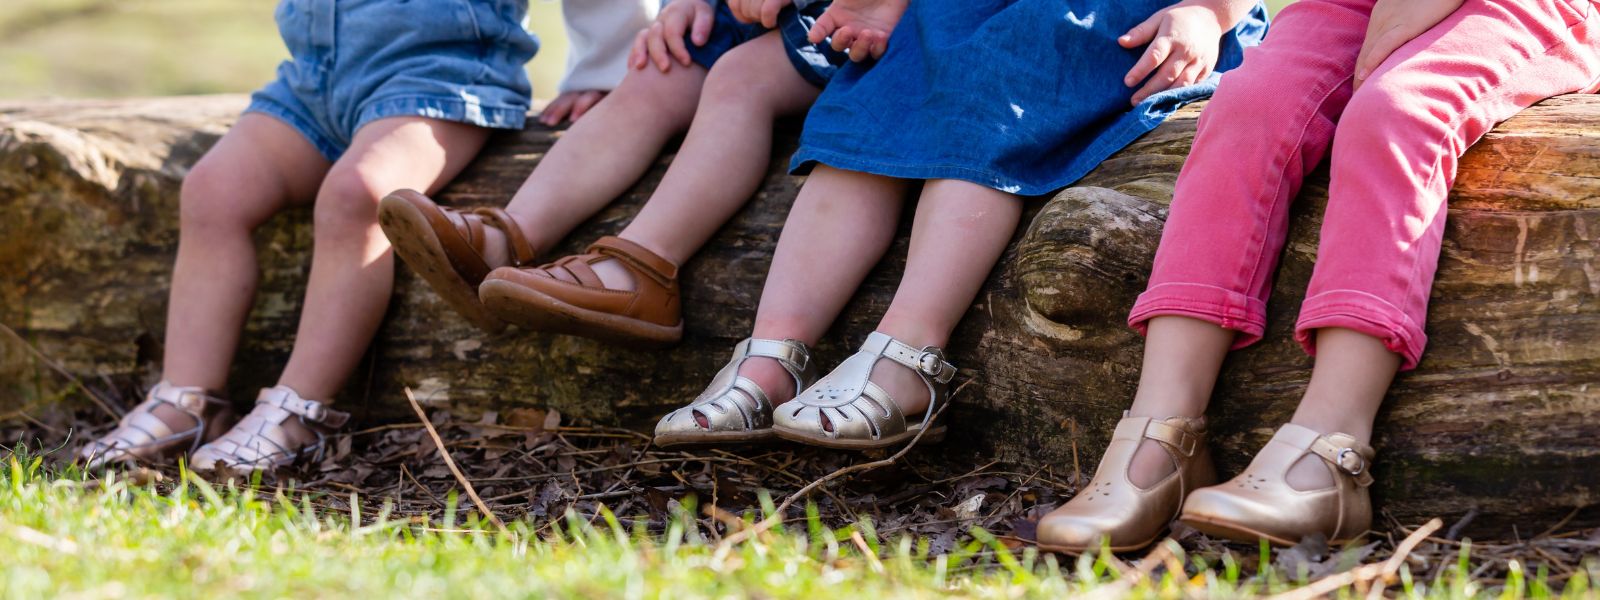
pixel 446 247
pixel 847 410
pixel 260 442
pixel 567 296
pixel 1111 509
pixel 734 408
pixel 1261 504
pixel 144 437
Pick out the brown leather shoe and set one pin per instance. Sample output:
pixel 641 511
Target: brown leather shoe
pixel 1260 503
pixel 144 436
pixel 446 247
pixel 567 296
pixel 1125 516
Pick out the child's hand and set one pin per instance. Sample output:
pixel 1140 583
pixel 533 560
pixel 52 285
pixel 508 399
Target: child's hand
pixel 1184 40
pixel 662 41
pixel 570 104
pixel 859 27
pixel 764 12
pixel 1395 22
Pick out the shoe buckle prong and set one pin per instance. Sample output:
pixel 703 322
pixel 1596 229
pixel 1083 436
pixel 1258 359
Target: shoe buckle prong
pixel 1358 468
pixel 931 363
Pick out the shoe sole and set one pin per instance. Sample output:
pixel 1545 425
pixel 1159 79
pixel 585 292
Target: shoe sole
pixel 1080 550
pixel 1221 528
pixel 537 311
pixel 418 246
pixel 715 438
pixel 934 436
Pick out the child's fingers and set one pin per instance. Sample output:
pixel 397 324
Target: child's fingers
pixel 769 12
pixel 1377 49
pixel 824 27
pixel 704 18
pixel 1162 80
pixel 745 11
pixel 583 103
pixel 639 56
pixel 557 110
pixel 843 37
pixel 1142 33
pixel 1153 56
pixel 672 32
pixel 658 48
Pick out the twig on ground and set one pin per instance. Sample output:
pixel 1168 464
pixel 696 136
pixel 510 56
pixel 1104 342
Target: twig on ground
pixel 1376 573
pixel 450 462
pixel 1454 533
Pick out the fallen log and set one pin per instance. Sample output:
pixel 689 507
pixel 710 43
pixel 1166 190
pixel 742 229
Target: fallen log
pixel 1499 418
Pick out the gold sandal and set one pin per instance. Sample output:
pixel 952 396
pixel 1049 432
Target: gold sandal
pixel 260 442
pixel 1261 504
pixel 847 410
pixel 735 409
pixel 1125 516
pixel 143 437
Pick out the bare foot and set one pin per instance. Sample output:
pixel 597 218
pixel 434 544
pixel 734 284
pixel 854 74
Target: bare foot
pixel 904 386
pixel 495 247
pixel 1150 465
pixel 769 375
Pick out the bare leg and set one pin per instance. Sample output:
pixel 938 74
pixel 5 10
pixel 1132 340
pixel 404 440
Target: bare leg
pixel 1182 357
pixel 841 224
pixel 259 168
pixel 725 156
pixel 960 231
pixel 1351 377
pixel 352 268
pixel 603 154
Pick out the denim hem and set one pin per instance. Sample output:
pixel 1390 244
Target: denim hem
pixel 329 149
pixel 1365 313
pixel 443 108
pixel 1223 307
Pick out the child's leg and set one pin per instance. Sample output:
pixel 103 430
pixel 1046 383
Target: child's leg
pixel 603 154
pixel 725 156
pixel 1429 102
pixel 352 270
pixel 260 167
pixel 1269 125
pixel 840 226
pixel 959 233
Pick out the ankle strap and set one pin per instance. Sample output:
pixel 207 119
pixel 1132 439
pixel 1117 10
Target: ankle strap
pixel 521 251
pixel 792 354
pixel 1179 439
pixel 192 400
pixel 1340 450
pixel 929 361
pixel 310 411
pixel 640 258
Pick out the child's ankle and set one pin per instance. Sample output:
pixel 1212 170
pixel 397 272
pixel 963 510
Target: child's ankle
pixel 771 377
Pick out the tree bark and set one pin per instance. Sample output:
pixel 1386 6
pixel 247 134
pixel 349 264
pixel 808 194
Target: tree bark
pixel 1499 416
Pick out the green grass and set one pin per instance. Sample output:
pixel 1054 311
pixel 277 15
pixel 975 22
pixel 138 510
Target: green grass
pixel 65 536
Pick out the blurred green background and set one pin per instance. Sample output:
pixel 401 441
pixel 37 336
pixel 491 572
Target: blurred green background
pixel 110 48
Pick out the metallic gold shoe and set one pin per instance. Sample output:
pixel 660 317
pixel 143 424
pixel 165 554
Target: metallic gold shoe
pixel 1112 508
pixel 1260 503
pixel 260 442
pixel 142 436
pixel 847 410
pixel 735 409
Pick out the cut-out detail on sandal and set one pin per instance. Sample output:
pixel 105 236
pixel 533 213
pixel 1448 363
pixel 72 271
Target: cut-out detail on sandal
pixel 743 412
pixel 847 410
pixel 142 436
pixel 260 442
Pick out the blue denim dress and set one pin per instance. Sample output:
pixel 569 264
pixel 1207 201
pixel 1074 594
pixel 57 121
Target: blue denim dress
pixel 815 62
pixel 1024 96
pixel 356 61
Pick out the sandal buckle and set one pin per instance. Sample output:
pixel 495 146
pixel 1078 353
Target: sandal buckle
pixel 931 362
pixel 314 411
pixel 1345 465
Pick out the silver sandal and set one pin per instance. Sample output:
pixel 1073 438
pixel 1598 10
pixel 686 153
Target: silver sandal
pixel 735 409
pixel 260 442
pixel 859 414
pixel 143 437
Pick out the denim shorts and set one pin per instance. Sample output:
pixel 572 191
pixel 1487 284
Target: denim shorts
pixel 356 61
pixel 815 62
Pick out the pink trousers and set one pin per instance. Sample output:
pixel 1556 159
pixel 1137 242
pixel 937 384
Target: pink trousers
pixel 1395 145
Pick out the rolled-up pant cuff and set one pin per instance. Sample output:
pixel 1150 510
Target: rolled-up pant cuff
pixel 1363 313
pixel 1225 308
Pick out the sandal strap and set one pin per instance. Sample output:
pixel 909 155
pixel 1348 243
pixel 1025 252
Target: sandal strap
pixel 640 259
pixel 1179 439
pixel 521 251
pixel 1347 455
pixel 929 361
pixel 309 411
pixel 791 354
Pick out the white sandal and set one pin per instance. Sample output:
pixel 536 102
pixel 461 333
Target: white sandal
pixel 847 410
pixel 735 409
pixel 260 442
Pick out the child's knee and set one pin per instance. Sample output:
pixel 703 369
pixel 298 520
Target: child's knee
pixel 347 200
pixel 673 94
pixel 210 201
pixel 746 76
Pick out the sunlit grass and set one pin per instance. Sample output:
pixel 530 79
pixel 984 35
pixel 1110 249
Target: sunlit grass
pixel 64 535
